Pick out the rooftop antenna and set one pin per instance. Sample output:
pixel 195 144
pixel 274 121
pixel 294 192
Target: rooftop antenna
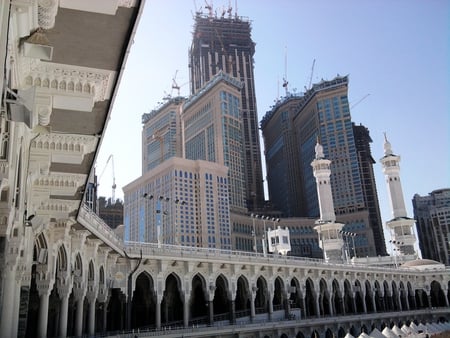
pixel 285 81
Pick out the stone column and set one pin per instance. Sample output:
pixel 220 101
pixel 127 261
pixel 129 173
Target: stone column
pixel 317 306
pixel 252 305
pixel 303 306
pixel 91 324
pixel 232 312
pixel 363 296
pixel 43 312
pixel 270 294
pixel 105 316
pixel 375 310
pixel 211 312
pixel 79 316
pixel 64 296
pixel 407 300
pixel 354 303
pixel 9 290
pixel 399 301
pixel 186 309
pixel 158 311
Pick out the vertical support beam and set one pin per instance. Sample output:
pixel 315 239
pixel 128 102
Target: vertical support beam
pixel 9 291
pixel 43 314
pixel 186 310
pixel 91 324
pixel 158 311
pixel 79 317
pixel 64 296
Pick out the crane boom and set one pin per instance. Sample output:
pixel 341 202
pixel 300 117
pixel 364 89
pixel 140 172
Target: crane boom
pixel 110 158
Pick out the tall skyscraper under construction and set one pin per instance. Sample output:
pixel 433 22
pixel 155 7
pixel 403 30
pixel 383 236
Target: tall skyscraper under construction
pixel 290 132
pixel 225 44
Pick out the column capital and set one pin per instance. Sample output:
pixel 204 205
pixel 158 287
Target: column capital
pixel 44 286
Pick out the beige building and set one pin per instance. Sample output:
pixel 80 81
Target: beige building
pixel 212 131
pixel 161 134
pixel 180 202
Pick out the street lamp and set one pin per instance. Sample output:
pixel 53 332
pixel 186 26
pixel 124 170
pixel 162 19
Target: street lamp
pixel 264 239
pixel 177 202
pixel 254 232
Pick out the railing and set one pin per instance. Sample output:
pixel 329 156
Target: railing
pixel 169 250
pixel 217 329
pixel 92 222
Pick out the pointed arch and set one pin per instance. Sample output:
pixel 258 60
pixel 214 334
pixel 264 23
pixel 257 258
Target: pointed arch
pixel 261 298
pixel 172 304
pixel 198 299
pixel 143 301
pixel 221 302
pixel 242 302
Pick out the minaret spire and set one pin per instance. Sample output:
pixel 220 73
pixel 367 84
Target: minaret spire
pixel 329 231
pixel 403 238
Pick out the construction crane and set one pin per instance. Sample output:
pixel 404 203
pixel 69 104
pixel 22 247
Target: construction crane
pixel 311 75
pixel 113 195
pixel 175 84
pixel 159 136
pixel 360 100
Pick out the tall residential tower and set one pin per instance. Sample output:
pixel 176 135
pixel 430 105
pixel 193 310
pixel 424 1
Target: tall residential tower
pixel 225 44
pixel 432 214
pixel 290 131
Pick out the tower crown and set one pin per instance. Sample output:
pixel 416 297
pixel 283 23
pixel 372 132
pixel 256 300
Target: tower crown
pixel 387 147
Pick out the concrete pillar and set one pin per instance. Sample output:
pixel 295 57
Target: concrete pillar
pixel 79 317
pixel 91 324
pixel 252 306
pixel 354 303
pixel 330 307
pixel 43 314
pixel 399 301
pixel 374 302
pixel 232 312
pixel 105 316
pixel 211 312
pixel 407 301
pixel 158 311
pixel 270 293
pixel 304 306
pixel 9 291
pixel 363 296
pixel 64 296
pixel 317 306
pixel 186 310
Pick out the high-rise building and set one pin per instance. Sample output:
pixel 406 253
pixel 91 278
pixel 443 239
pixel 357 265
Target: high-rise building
pixel 111 212
pixel 180 202
pixel 290 132
pixel 212 131
pixel 432 215
pixel 161 134
pixel 282 162
pixel 225 44
pixel 366 162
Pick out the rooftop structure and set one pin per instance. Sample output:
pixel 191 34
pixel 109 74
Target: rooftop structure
pixel 224 44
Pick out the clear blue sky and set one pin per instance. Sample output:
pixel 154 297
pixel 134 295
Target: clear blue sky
pixel 396 51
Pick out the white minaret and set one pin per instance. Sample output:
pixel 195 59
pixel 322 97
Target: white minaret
pixel 401 226
pixel 329 231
